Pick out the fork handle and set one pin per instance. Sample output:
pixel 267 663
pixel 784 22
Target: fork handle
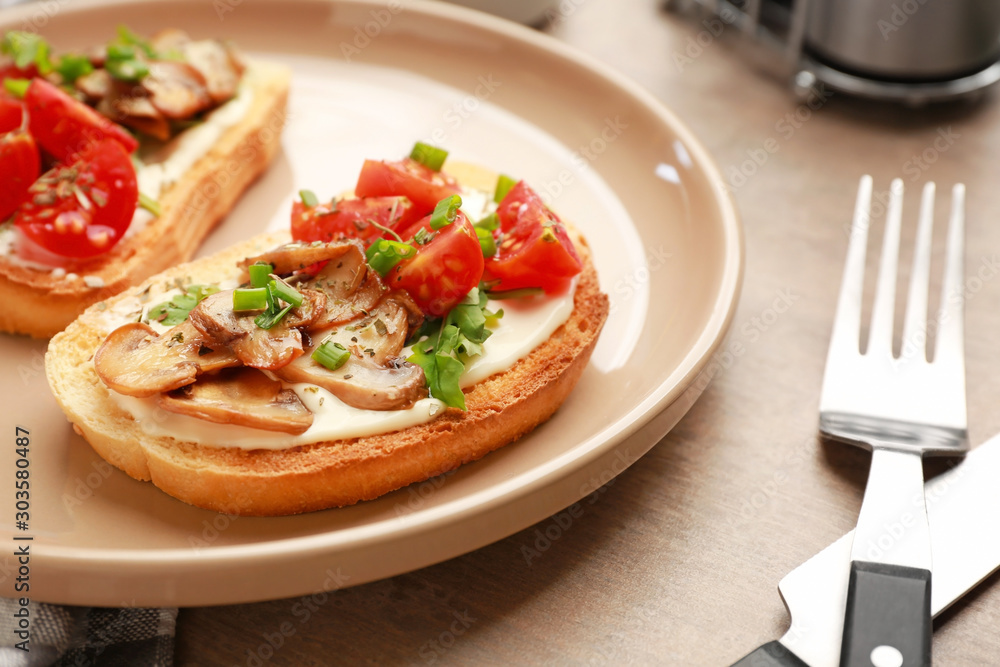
pixel 888 617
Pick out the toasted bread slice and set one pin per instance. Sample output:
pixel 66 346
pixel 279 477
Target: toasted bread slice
pixel 501 409
pixel 40 303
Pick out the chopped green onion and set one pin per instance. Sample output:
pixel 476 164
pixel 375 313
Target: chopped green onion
pixel 17 87
pixel 71 67
pixel 504 185
pixel 309 198
pixel 486 242
pixel 445 211
pixel 127 37
pixel 423 236
pixel 131 70
pixel 514 293
pixel 260 274
pixel 384 254
pixel 490 223
pixel 270 317
pixel 431 157
pixel 331 355
pixel 254 298
pixel 282 290
pixel 150 204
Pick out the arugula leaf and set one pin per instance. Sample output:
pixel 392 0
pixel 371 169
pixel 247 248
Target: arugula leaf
pixel 175 311
pixel 443 346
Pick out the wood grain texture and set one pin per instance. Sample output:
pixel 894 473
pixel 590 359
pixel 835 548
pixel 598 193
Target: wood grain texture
pixel 677 561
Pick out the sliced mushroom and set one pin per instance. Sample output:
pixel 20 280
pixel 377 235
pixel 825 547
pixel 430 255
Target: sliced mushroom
pixel 362 384
pixel 137 113
pixel 377 337
pixel 374 378
pixel 297 256
pixel 268 349
pixel 214 61
pixel 241 396
pixel 176 89
pixel 96 85
pixel 351 288
pixel 134 360
pixel 169 41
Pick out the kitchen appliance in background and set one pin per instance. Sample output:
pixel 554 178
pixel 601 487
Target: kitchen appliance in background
pixel 910 51
pixel 529 12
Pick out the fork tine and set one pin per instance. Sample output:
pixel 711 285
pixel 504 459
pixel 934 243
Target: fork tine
pixel 880 334
pixel 847 322
pixel 950 346
pixel 915 323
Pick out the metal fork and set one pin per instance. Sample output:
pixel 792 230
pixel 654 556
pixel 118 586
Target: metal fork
pixel 900 408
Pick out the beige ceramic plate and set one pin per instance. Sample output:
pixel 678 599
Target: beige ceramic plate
pixel 369 79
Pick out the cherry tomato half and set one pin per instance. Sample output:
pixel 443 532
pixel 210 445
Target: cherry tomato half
pixel 82 209
pixel 535 250
pixel 351 218
pixel 19 167
pixel 11 113
pixel 444 270
pixel 405 178
pixel 66 127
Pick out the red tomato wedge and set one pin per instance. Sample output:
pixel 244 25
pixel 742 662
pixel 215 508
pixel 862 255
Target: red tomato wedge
pixel 405 178
pixel 19 167
pixel 535 251
pixel 65 127
pixel 11 113
pixel 82 209
pixel 351 218
pixel 444 270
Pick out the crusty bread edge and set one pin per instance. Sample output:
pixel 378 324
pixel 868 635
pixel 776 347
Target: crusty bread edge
pixel 501 409
pixel 39 305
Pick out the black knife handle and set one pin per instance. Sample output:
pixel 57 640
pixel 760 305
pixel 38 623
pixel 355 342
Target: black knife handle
pixel 889 609
pixel 772 654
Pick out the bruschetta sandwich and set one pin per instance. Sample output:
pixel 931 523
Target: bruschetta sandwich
pixel 424 320
pixel 116 163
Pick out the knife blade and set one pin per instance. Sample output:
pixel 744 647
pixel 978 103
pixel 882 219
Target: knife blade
pixel 960 502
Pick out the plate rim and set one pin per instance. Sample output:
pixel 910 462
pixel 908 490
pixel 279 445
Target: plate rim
pixel 669 391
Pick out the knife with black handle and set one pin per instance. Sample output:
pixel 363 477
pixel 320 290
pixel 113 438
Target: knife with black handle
pixel 959 503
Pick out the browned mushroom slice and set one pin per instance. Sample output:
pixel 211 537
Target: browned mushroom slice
pixel 351 289
pixel 374 378
pixel 213 60
pixel 96 85
pixel 176 89
pixel 377 337
pixel 241 396
pixel 135 361
pixel 268 349
pixel 312 308
pixel 362 384
pixel 169 41
pixel 137 113
pixel 296 256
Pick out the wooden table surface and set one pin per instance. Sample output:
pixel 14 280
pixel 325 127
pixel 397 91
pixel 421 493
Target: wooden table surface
pixel 678 562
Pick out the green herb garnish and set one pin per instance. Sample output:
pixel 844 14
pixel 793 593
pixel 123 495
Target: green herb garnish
pixel 175 311
pixel 150 205
pixel 443 346
pixel 26 48
pixel 254 298
pixel 260 274
pixel 331 355
pixel 384 254
pixel 504 185
pixel 445 212
pixel 431 157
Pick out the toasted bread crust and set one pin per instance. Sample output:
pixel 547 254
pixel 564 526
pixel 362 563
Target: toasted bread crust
pixel 501 409
pixel 38 304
